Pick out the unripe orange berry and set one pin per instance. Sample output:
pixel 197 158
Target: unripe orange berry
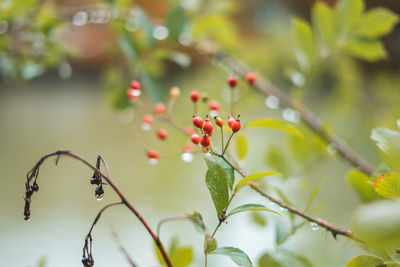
pixel 175 92
pixel 232 81
pixel 195 95
pixel 218 121
pixel 159 108
pixel 251 77
pixel 205 140
pixel 162 134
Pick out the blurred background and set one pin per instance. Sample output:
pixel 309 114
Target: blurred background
pixel 65 67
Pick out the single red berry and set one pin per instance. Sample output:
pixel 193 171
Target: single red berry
pixel 207 126
pixel 232 81
pixel 147 119
pixel 195 95
pixel 205 140
pixel 218 121
pixel 195 138
pixel 251 77
pixel 189 129
pixel 188 148
pixel 162 134
pixel 159 108
pixel 236 125
pixel 131 94
pixel 213 105
pixel 135 85
pixel 230 121
pixel 197 121
pixel 152 154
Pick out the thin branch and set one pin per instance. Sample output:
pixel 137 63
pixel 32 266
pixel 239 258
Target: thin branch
pixel 123 249
pixel 168 219
pixel 308 117
pixel 33 173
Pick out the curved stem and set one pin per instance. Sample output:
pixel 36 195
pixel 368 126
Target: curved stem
pixel 168 219
pixel 31 174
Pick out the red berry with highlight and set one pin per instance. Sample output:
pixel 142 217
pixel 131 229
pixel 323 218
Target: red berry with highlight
pixel 152 154
pixel 250 77
pixel 205 140
pixel 232 81
pixel 194 96
pixel 162 134
pixel 188 148
pixel 207 126
pixel 197 121
pixel 131 94
pixel 195 138
pixel 213 105
pixel 230 121
pixel 159 108
pixel 135 85
pixel 236 125
pixel 147 119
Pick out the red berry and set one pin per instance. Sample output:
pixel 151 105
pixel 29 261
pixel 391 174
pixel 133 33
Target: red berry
pixel 159 108
pixel 230 121
pixel 189 129
pixel 195 95
pixel 207 126
pixel 131 94
pixel 218 121
pixel 213 105
pixel 205 140
pixel 135 85
pixel 232 81
pixel 153 154
pixel 147 119
pixel 195 138
pixel 197 121
pixel 188 148
pixel 162 134
pixel 236 125
pixel 250 77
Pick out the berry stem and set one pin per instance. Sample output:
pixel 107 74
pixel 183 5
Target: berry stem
pixel 222 139
pixel 227 144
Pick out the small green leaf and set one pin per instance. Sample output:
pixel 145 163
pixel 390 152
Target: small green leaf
pixel 197 221
pixel 259 219
pixel 306 50
pixel 241 146
pixel 314 193
pixel 276 124
pixel 347 14
pixel 364 261
pixel 389 142
pixel 281 230
pixel 217 184
pixel 267 260
pixel 298 257
pixel 250 207
pixel 370 50
pixel 378 22
pixel 361 184
pixel 237 255
pixel 276 160
pixel 388 185
pixel 229 171
pixel 253 177
pixel 181 256
pixel 176 21
pixel 324 23
pixel 211 244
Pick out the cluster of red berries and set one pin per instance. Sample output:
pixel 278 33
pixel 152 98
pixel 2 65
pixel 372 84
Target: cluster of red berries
pixel 134 90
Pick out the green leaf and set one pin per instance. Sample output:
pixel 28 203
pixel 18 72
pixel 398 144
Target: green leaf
pixel 388 185
pixel 217 184
pixel 258 219
pixel 377 224
pixel 378 22
pixel 181 256
pixel 281 230
pixel 324 23
pixel 314 193
pixel 364 261
pixel 229 171
pixel 307 149
pixel 306 50
pixel 250 207
pixel 176 21
pixel 361 185
pixel 237 255
pixel 253 177
pixel 277 161
pixel 370 50
pixel 267 260
pixel 276 124
pixel 389 142
pixel 298 257
pixel 241 146
pixel 348 13
pixel 197 221
pixel 211 244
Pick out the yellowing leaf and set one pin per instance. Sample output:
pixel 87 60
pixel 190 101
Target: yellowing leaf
pixel 378 22
pixel 388 185
pixel 253 177
pixel 324 23
pixel 276 124
pixel 370 50
pixel 306 49
pixel 241 146
pixel 361 185
pixel 364 261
